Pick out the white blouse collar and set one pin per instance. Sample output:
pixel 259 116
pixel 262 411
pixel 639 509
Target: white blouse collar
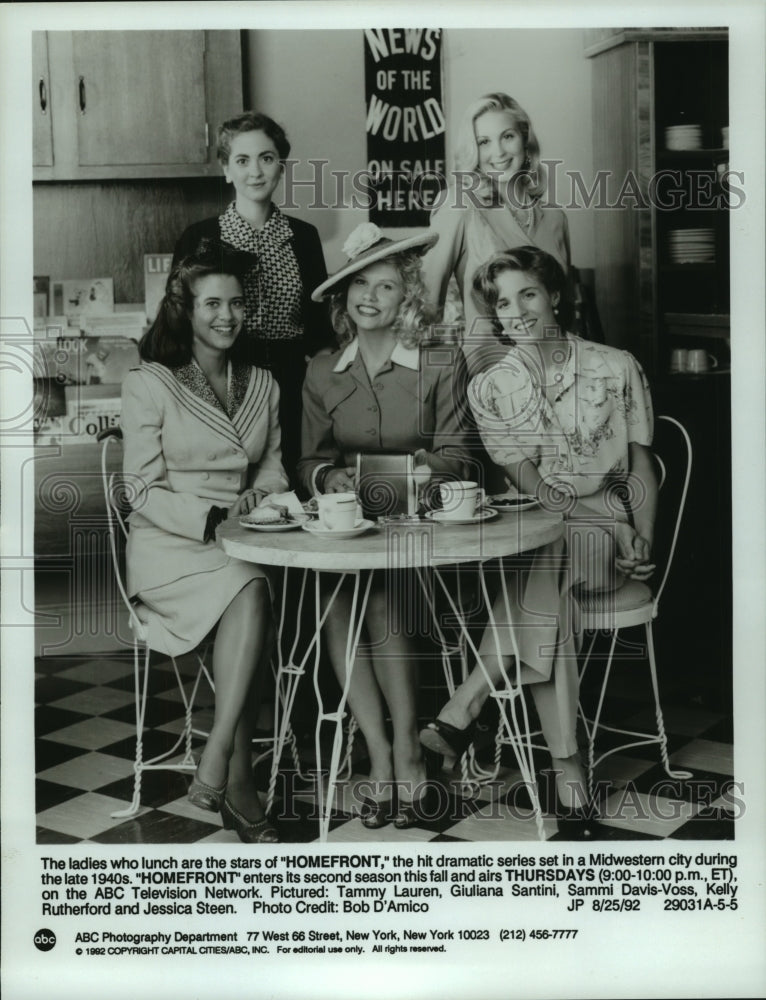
pixel 405 357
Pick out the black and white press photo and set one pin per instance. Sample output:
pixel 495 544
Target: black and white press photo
pixel 382 535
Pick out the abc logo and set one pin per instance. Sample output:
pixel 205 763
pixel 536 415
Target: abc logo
pixel 45 939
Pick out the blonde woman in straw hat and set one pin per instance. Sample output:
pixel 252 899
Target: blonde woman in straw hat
pixel 379 393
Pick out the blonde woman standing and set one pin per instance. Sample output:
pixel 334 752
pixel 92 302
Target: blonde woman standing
pixel 496 202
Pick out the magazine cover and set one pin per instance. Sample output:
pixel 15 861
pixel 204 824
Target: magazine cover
pixel 78 300
pixel 267 729
pixel 156 270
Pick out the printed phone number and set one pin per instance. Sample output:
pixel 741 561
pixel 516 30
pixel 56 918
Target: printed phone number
pixel 538 934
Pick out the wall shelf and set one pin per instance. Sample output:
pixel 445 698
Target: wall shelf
pixel 644 82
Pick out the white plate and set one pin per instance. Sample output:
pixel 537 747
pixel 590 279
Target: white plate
pixel 510 504
pixel 485 514
pixel 296 521
pixel 315 529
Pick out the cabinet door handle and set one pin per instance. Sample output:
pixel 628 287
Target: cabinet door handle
pixel 81 93
pixel 43 96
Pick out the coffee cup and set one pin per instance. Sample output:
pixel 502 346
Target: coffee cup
pixel 460 500
pixel 700 361
pixel 679 360
pixel 338 511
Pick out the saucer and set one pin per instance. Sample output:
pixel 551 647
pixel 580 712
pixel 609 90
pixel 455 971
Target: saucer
pixel 510 504
pixel 484 514
pixel 296 521
pixel 314 528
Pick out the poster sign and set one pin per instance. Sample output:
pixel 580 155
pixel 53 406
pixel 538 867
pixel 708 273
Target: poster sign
pixel 405 123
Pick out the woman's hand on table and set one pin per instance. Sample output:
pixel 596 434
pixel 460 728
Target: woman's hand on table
pixel 246 502
pixel 340 481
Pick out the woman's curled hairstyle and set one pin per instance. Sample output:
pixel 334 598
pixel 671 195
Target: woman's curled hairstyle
pixel 531 181
pixel 531 260
pixel 250 121
pixel 169 339
pixel 413 322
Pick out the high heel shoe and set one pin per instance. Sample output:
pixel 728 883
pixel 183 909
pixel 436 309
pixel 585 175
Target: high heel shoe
pixel 205 796
pixel 249 831
pixel 440 737
pixel 419 810
pixel 374 814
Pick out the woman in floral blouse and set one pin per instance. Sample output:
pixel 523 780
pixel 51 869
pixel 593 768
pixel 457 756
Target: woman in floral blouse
pixel 570 423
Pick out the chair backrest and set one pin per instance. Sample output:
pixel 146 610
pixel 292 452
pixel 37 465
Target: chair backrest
pixel 674 456
pixel 114 500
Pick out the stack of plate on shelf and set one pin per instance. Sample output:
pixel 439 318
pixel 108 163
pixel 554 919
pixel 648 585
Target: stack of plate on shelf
pixel 691 246
pixel 683 137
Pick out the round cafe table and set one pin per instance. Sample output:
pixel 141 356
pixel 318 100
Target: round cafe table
pixel 427 548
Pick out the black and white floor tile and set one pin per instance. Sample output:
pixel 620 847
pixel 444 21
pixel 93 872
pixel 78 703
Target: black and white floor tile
pixel 86 739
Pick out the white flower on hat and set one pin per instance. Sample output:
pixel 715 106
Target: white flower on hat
pixel 362 238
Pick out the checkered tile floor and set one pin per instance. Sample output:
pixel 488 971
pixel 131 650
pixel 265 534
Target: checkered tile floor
pixel 86 742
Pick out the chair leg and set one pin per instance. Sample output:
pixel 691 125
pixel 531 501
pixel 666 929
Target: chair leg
pixel 188 703
pixel 640 739
pixel 285 687
pixel 344 768
pixel 141 691
pixel 140 703
pixel 517 734
pixel 591 731
pixel 661 735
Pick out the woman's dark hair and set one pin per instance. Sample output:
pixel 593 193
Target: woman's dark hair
pixel 169 339
pixel 251 121
pixel 545 268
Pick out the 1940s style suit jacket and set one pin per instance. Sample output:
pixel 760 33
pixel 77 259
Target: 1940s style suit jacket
pixel 184 453
pixel 416 401
pixel 282 324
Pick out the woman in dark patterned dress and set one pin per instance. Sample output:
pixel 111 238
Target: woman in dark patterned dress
pixel 282 326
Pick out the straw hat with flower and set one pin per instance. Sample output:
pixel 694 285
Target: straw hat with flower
pixel 367 245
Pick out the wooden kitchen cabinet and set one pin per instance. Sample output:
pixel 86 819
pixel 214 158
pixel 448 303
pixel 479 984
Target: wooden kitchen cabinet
pixel 132 104
pixel 42 133
pixel 644 82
